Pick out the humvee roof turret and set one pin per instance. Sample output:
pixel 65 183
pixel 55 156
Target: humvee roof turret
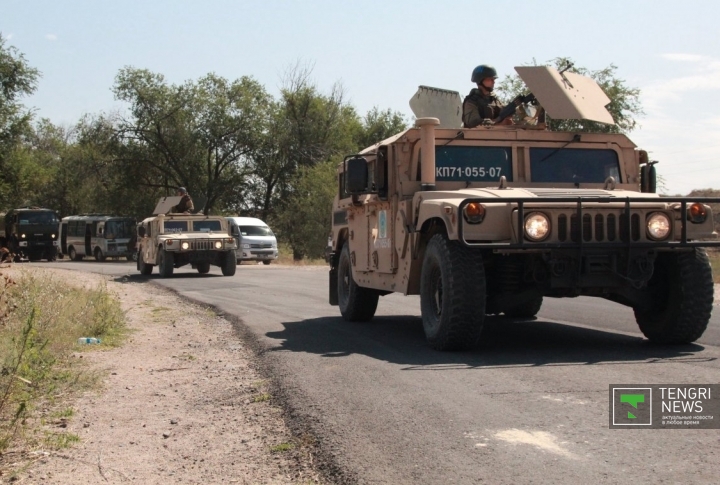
pixel 491 220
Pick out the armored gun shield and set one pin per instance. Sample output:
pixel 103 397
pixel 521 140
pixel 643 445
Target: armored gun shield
pixel 567 96
pixel 438 103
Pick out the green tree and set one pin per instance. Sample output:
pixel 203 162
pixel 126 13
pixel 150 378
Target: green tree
pixel 306 221
pixel 17 79
pixel 625 106
pixel 198 134
pixel 379 125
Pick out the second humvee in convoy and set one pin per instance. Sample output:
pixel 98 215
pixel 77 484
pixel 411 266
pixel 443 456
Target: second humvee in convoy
pixel 491 220
pixel 171 240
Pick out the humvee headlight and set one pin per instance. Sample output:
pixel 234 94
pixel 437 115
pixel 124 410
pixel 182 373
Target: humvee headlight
pixel 537 226
pixel 218 244
pixel 697 213
pixel 185 245
pixel 53 236
pixel 22 236
pixel 474 212
pixel 658 225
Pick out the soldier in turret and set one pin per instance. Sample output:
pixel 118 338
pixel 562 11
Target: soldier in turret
pixel 186 204
pixel 480 106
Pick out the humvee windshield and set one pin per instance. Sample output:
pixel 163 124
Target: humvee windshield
pixel 573 165
pixel 176 226
pixel 472 164
pixel 37 218
pixel 206 226
pixel 255 231
pixel 197 226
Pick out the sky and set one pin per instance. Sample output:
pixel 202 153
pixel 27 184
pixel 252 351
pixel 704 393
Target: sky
pixel 381 51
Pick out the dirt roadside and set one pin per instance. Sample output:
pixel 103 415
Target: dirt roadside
pixel 182 403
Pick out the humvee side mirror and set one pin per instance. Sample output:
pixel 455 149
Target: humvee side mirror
pixel 356 175
pixel 141 231
pixel 648 178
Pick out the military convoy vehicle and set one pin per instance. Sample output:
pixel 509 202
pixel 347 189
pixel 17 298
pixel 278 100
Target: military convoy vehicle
pixel 170 241
pixel 30 233
pixel 493 219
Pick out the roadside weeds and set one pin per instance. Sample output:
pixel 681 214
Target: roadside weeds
pixel 181 403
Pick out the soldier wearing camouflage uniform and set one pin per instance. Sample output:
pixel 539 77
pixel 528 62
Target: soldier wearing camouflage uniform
pixel 186 204
pixel 480 104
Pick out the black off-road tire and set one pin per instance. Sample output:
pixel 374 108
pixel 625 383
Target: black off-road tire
pixel 266 262
pixel 526 310
pixel 145 269
pixel 166 260
pixel 99 256
pixel 452 295
pixel 74 255
pixel 203 268
pixel 357 304
pixel 683 291
pixel 229 264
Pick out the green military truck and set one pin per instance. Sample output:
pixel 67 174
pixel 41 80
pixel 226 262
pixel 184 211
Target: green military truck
pixel 492 220
pixel 30 233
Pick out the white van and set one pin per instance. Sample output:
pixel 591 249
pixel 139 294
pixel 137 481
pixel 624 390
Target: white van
pixel 256 241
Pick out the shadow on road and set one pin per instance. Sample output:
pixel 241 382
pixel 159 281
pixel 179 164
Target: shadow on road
pixel 138 278
pixel 505 343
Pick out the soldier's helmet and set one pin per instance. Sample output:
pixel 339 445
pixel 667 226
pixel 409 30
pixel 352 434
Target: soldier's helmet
pixel 182 190
pixel 483 71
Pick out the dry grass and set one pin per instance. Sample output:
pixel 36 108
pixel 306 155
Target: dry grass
pixel 41 319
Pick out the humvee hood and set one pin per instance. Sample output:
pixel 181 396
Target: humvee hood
pixel 515 192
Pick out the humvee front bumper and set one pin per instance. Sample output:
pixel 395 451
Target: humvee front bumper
pixel 593 223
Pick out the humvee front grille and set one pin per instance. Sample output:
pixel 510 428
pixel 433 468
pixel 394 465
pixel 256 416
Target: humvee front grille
pixel 202 245
pixel 601 227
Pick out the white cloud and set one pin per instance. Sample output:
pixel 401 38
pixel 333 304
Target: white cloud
pixel 699 75
pixel 51 37
pixel 681 125
pixel 683 57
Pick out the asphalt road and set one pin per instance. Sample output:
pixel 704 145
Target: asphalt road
pixel 529 406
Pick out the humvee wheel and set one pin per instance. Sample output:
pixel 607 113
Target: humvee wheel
pixel 452 295
pixel 526 310
pixel 99 256
pixel 229 264
pixel 357 304
pixel 266 262
pixel 683 298
pixel 202 268
pixel 74 255
pixel 144 269
pixel 165 263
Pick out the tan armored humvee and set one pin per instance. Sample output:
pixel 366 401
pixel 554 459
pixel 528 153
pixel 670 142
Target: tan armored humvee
pixel 491 220
pixel 174 240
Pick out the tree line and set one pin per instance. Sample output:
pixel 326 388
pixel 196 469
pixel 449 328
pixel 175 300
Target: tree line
pixel 229 142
